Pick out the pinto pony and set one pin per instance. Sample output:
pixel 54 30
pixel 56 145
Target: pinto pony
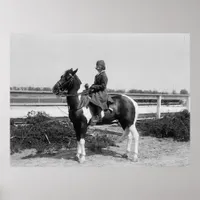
pixel 125 111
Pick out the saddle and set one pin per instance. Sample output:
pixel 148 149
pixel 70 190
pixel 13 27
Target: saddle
pixel 85 100
pixel 95 109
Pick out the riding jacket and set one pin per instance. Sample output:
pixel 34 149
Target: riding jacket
pixel 98 90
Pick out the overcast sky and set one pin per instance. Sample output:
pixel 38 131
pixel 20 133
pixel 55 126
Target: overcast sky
pixel 133 61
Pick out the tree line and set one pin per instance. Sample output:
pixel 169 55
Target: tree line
pixel 30 88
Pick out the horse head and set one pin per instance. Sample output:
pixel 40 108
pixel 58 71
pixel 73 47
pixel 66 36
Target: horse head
pixel 68 81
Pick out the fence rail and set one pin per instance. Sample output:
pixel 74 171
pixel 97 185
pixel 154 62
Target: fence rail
pixel 47 98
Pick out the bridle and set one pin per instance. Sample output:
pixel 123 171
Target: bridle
pixel 65 92
pixel 73 95
pixel 67 82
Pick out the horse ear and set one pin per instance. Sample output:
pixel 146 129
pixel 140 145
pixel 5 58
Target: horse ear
pixel 74 72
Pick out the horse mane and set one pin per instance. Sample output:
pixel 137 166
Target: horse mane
pixel 75 76
pixel 78 79
pixel 67 72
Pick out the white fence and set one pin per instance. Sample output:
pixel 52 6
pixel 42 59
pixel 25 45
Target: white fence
pixel 44 98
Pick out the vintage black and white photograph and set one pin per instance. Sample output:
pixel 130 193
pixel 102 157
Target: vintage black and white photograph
pixel 100 100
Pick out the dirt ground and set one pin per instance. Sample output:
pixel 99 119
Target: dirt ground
pixel 153 152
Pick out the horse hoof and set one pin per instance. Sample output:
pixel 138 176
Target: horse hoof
pixel 135 159
pixel 82 160
pixel 77 158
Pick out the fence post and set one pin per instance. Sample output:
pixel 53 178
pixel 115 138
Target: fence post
pixel 159 106
pixel 188 103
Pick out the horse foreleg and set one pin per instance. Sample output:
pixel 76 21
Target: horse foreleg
pixel 136 142
pixel 80 129
pixel 82 146
pixel 78 154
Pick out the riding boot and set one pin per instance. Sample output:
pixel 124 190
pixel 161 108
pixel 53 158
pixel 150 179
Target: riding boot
pixel 96 119
pixel 93 120
pixel 108 111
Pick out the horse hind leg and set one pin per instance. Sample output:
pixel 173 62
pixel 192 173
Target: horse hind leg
pixel 135 135
pixel 129 143
pixel 125 134
pixel 131 134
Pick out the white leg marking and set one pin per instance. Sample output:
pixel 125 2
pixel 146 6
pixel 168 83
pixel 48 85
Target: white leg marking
pixel 129 142
pixel 78 150
pixel 136 141
pixel 133 129
pixel 82 144
pixel 87 113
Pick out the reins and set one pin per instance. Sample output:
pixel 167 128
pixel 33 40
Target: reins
pixel 73 95
pixel 64 93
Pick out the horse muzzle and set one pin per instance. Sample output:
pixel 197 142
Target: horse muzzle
pixel 56 89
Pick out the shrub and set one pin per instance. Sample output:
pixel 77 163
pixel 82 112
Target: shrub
pixel 176 125
pixel 184 91
pixel 41 132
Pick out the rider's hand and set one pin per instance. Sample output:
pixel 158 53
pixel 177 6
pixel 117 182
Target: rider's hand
pixel 86 86
pixel 85 92
pixel 91 90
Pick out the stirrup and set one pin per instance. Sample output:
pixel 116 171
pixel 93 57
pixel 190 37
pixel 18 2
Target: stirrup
pixel 110 109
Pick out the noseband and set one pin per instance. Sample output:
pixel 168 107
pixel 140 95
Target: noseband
pixel 69 81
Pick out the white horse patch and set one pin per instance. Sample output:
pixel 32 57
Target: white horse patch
pixel 87 113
